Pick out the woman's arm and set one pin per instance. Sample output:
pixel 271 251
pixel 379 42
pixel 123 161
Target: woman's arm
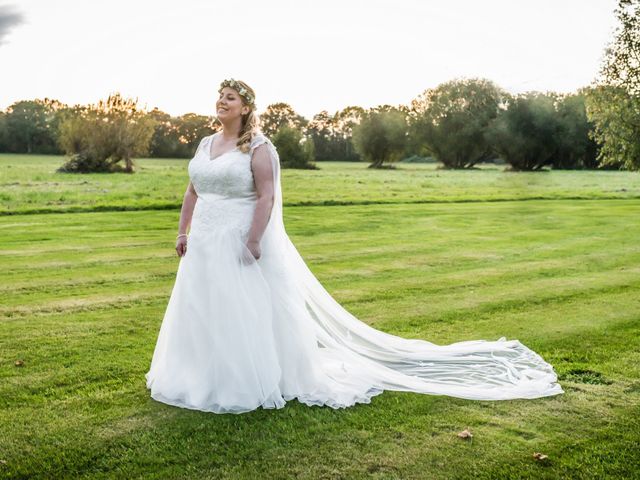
pixel 263 178
pixel 188 204
pixel 186 213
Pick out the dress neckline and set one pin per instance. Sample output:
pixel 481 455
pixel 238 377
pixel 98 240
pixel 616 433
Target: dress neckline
pixel 222 154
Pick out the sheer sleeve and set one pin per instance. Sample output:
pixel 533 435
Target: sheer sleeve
pixel 257 140
pixel 276 223
pixel 201 145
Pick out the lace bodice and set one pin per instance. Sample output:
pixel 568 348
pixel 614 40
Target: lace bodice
pixel 225 187
pixel 228 175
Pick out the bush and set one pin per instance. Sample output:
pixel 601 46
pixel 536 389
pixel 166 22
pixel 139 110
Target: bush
pixel 525 134
pixel 292 151
pixel 98 137
pixel 450 120
pixel 381 136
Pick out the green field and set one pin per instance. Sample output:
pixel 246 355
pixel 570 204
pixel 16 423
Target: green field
pixel 84 294
pixel 29 184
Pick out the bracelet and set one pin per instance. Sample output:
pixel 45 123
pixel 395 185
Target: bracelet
pixel 181 235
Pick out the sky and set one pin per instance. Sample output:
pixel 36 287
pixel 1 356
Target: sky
pixel 322 55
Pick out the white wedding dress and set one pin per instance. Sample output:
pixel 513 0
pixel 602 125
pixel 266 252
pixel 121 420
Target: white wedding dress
pixel 240 333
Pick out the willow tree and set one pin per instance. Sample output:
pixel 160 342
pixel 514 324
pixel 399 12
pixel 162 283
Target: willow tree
pixel 525 134
pixel 450 120
pixel 380 137
pixel 100 136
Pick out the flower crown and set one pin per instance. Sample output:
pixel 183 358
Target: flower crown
pixel 240 89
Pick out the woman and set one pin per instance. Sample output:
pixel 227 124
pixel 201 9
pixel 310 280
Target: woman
pixel 248 325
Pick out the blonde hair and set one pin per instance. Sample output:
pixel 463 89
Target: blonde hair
pixel 250 123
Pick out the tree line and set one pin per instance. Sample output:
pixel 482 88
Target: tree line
pixel 459 123
pixel 48 126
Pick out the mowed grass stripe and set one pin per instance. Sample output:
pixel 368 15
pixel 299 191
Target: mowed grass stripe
pixel 433 304
pixel 453 264
pixel 361 262
pixel 570 254
pixel 108 260
pixel 418 200
pixel 58 281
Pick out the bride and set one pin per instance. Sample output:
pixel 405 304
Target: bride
pixel 248 325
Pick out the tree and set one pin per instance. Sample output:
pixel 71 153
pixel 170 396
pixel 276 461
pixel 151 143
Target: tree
pixel 621 65
pixel 164 142
pixel 321 130
pixel 345 121
pixel 178 137
pixel 293 149
pixel 525 134
pixel 332 134
pixel 576 148
pixel 616 116
pixel 278 115
pixel 4 134
pixel 381 135
pixel 451 120
pixel 613 105
pixel 98 137
pixel 32 126
pixel 191 127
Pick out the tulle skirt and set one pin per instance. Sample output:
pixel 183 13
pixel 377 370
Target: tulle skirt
pixel 235 336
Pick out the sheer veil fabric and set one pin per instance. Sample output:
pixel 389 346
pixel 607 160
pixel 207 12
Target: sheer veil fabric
pixel 479 369
pixel 238 337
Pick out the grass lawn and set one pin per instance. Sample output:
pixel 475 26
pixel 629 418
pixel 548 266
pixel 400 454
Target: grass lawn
pixel 84 294
pixel 30 184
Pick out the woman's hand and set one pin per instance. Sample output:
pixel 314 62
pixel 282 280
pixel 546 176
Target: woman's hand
pixel 254 248
pixel 181 246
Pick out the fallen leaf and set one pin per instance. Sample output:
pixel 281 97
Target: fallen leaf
pixel 465 433
pixel 540 456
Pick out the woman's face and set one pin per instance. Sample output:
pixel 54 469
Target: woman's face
pixel 229 104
